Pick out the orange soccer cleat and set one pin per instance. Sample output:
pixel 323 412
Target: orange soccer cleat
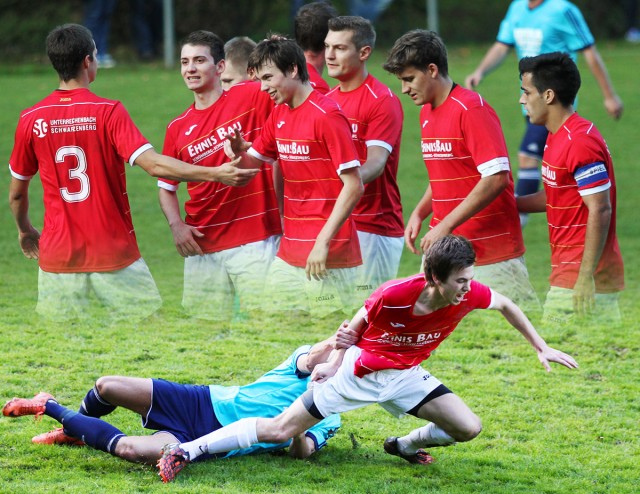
pixel 18 407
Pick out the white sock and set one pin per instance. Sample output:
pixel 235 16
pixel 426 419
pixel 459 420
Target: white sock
pixel 238 435
pixel 424 437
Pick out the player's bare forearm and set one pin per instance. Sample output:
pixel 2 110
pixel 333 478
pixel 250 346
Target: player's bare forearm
pixel 613 103
pixel 493 58
pixel 352 190
pixel 532 203
pixel 161 166
pixel 374 166
pixel 598 221
pixel 514 315
pixel 28 235
pixel 483 194
pixel 422 210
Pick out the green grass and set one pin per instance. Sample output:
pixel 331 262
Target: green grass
pixel 568 431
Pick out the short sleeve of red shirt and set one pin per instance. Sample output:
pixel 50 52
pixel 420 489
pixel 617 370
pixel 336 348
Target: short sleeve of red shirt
pixel 385 126
pixel 584 152
pixel 335 133
pixel 485 140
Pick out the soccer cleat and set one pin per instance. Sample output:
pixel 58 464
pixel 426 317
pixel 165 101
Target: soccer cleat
pixel 420 457
pixel 173 460
pixel 57 436
pixel 26 406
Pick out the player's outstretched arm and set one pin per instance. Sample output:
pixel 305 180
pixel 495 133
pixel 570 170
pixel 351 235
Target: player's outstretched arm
pixel 494 57
pixel 161 166
pixel 28 236
pixel 612 102
pixel 518 320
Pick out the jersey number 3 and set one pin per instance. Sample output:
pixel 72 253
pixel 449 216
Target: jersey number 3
pixel 77 173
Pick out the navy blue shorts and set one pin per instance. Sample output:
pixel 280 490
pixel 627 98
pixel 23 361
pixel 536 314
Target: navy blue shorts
pixel 184 410
pixel 535 137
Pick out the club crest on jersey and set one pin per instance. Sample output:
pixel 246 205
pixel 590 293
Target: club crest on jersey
pixel 40 127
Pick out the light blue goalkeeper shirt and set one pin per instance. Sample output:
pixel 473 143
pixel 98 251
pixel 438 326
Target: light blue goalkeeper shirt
pixel 271 394
pixel 554 25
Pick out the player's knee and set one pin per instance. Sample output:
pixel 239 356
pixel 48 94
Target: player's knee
pixel 127 451
pixel 104 384
pixel 469 430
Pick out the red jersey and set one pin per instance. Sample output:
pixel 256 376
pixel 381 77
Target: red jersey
pixel 316 80
pixel 577 162
pixel 462 141
pixel 396 338
pixel 228 216
pixel 79 142
pixel 376 116
pixel 313 145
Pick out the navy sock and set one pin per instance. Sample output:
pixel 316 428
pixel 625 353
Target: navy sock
pixel 94 405
pixel 97 433
pixel 528 181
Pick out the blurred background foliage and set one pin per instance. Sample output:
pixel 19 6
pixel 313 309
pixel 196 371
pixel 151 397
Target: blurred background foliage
pixel 24 25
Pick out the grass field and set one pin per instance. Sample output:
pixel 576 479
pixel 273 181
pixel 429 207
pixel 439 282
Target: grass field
pixel 568 431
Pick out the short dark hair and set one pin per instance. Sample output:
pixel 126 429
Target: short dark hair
pixel 206 38
pixel 310 25
pixel 238 49
pixel 447 255
pixel 417 48
pixel 283 52
pixel 555 71
pixel 67 47
pixel 362 29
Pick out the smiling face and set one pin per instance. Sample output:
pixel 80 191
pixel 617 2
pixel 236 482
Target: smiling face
pixel 419 85
pixel 279 86
pixel 534 102
pixel 342 57
pixel 456 286
pixel 198 68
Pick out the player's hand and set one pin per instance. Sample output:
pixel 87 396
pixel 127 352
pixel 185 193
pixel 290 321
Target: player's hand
pixel 184 236
pixel 235 144
pixel 432 235
pixel 411 232
pixel 472 80
pixel 322 372
pixel 549 354
pixel 614 106
pixel 316 267
pixel 584 295
pixel 345 336
pixel 230 173
pixel 30 243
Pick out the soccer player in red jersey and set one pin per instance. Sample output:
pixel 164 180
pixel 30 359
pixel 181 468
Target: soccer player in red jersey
pixel 579 196
pixel 79 143
pixel 310 27
pixel 230 235
pixel 310 137
pixel 470 189
pixel 398 328
pixel 375 115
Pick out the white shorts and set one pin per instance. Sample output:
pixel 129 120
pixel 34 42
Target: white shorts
pixel 380 262
pixel 213 281
pixel 129 294
pixel 558 309
pixel 397 391
pixel 511 279
pixel 288 289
